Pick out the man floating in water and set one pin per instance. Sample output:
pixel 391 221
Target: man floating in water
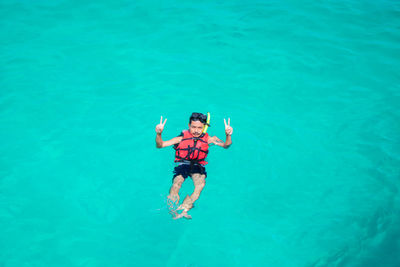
pixel 191 151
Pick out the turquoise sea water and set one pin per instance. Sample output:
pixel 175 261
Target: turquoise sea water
pixel 311 87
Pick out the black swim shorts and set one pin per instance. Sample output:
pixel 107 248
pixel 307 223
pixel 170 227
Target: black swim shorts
pixel 186 170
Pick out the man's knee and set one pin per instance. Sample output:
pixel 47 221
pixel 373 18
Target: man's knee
pixel 199 180
pixel 178 180
pixel 200 184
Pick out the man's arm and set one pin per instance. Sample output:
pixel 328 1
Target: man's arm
pixel 228 131
pixel 160 143
pixel 228 141
pixel 216 141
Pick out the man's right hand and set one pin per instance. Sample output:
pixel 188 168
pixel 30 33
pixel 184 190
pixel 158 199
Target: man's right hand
pixel 160 127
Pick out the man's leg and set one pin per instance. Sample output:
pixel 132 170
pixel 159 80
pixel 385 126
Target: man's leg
pixel 199 181
pixel 174 190
pixel 173 197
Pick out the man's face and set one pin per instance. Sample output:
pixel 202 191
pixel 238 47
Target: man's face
pixel 196 128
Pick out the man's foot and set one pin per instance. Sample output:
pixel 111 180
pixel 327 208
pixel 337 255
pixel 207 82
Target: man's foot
pixel 183 214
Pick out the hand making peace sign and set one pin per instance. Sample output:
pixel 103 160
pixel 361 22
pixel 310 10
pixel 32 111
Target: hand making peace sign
pixel 160 127
pixel 228 128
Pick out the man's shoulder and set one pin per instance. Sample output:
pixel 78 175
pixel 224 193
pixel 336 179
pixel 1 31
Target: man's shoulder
pixel 178 138
pixel 181 134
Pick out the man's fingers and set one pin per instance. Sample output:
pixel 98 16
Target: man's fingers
pixel 229 122
pixel 161 121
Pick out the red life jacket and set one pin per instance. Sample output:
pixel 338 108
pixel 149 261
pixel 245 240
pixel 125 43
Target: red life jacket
pixel 193 149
